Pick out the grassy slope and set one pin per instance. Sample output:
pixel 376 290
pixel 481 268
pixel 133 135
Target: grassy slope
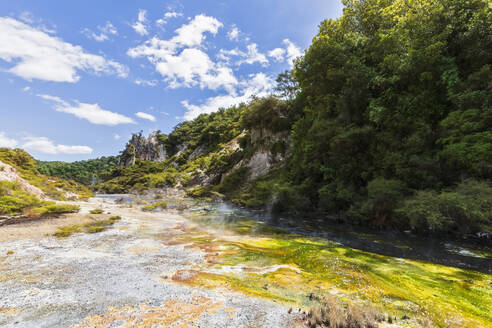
pixel 53 187
pixel 15 201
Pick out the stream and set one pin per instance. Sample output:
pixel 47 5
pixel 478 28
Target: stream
pixel 197 264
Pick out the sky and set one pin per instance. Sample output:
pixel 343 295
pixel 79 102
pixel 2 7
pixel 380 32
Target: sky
pixel 77 78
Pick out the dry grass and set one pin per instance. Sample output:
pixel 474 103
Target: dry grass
pixel 30 213
pixel 329 312
pixel 425 323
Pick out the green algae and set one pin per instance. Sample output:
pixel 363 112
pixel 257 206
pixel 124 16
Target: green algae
pixel 400 287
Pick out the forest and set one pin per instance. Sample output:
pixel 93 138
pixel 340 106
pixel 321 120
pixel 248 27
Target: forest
pixel 84 172
pixel 386 120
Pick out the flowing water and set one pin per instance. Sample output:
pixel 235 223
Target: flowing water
pixel 211 265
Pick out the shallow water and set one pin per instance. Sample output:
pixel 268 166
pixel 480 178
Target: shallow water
pixel 469 253
pixel 397 273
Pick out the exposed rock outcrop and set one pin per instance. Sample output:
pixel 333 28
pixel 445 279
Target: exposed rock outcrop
pixel 265 155
pixel 10 174
pixel 148 149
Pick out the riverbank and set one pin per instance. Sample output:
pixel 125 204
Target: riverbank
pixel 199 264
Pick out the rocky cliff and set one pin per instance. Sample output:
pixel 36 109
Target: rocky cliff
pixel 144 148
pixel 242 144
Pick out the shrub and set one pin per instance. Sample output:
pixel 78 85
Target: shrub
pixel 96 211
pixel 233 181
pixel 200 192
pixel 14 200
pixel 466 209
pixel 57 209
pixel 384 197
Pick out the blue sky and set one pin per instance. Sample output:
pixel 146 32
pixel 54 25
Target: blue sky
pixel 78 77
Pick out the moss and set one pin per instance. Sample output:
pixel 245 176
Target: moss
pixel 95 229
pixel 67 231
pixel 90 227
pixel 155 206
pixel 96 211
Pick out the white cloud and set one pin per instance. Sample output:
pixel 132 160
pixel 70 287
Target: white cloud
pixel 192 34
pixel 7 142
pixel 277 54
pixel 47 146
pixel 169 14
pixel 25 89
pixel 104 32
pixel 193 67
pixel 29 18
pixel 258 85
pixel 233 34
pixel 151 83
pixel 188 35
pixel 292 50
pixel 250 57
pixel 145 116
pixel 181 62
pixel 117 137
pixel 139 25
pixel 90 112
pixel 253 56
pixel 38 55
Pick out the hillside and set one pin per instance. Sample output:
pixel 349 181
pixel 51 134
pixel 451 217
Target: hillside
pixel 383 122
pixel 25 191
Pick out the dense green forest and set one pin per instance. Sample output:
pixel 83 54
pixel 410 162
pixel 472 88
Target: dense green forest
pixel 397 115
pixel 387 117
pixel 81 171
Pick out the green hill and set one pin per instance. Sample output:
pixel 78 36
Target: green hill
pixel 385 121
pixel 24 190
pixel 84 172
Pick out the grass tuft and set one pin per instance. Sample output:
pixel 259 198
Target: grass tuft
pixel 155 206
pixel 67 231
pixel 90 227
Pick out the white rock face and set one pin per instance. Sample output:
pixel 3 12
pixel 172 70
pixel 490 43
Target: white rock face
pixel 148 149
pixel 259 164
